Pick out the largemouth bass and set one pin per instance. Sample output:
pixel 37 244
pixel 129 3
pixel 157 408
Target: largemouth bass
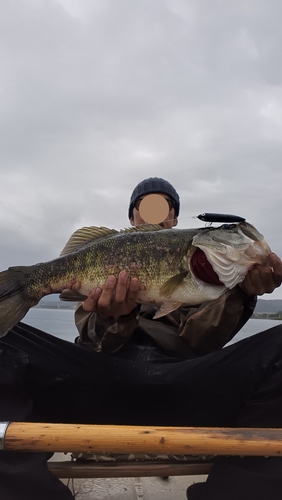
pixel 174 266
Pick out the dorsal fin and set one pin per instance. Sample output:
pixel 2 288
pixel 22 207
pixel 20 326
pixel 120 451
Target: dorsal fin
pixel 142 227
pixel 85 235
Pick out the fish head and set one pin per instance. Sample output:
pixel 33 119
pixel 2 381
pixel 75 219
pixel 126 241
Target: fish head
pixel 231 250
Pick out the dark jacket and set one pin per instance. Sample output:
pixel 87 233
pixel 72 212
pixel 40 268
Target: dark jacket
pixel 186 332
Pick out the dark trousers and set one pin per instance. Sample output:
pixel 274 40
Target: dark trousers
pixel 43 378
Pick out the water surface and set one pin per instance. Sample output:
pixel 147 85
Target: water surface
pixel 60 322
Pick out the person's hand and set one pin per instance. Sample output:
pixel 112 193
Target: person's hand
pixel 263 279
pixel 115 298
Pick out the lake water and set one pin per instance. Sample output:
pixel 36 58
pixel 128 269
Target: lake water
pixel 60 322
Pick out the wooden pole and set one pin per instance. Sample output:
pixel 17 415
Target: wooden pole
pixel 24 436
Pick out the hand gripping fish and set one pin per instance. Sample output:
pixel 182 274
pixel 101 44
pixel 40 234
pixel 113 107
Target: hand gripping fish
pixel 174 266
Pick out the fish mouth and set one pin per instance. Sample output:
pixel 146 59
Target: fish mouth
pixel 202 269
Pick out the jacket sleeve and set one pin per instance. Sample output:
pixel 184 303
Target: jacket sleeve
pixel 101 334
pixel 213 324
pixel 204 328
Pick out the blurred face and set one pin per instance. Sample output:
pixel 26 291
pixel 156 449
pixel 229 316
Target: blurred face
pixel 169 222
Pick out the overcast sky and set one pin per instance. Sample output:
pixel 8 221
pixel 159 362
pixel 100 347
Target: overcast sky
pixel 97 95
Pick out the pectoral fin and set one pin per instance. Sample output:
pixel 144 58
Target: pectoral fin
pixel 72 296
pixel 166 308
pixel 172 284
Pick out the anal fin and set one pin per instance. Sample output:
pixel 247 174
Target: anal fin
pixel 166 308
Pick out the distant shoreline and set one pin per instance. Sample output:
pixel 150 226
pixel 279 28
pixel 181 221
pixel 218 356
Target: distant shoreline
pixel 62 306
pixel 65 306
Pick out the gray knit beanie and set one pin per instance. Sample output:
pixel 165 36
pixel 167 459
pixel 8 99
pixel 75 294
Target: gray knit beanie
pixel 153 185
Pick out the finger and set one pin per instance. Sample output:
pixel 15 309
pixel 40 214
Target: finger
pixel 121 288
pixel 106 297
pixel 248 286
pixel 276 264
pixel 262 279
pixel 133 290
pixel 271 276
pixel 267 280
pixel 90 304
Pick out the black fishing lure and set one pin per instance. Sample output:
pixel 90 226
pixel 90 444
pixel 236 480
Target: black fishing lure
pixel 209 217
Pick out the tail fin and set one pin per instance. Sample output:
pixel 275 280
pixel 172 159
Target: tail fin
pixel 14 299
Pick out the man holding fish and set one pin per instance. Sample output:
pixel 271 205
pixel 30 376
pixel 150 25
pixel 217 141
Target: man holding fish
pixel 116 300
pixel 138 364
pixel 110 317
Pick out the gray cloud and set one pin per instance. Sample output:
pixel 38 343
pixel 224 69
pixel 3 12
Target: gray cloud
pixel 97 95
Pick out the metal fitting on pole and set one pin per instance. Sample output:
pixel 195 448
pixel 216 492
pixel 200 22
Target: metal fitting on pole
pixel 3 428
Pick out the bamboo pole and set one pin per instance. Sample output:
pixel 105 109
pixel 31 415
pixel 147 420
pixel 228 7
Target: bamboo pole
pixel 24 436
